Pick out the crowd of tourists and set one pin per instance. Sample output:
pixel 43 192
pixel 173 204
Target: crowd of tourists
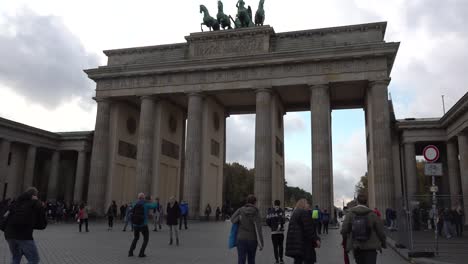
pixel 362 228
pixel 448 222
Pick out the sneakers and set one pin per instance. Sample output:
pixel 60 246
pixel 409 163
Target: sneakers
pixel 170 242
pixel 281 262
pixel 142 255
pixel 130 254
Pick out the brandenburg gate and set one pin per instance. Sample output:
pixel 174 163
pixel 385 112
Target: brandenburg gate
pixel 161 111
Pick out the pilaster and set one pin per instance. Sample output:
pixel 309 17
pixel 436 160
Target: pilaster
pixel 382 195
pixel 145 145
pixel 322 174
pixel 463 152
pixel 193 158
pixel 453 173
pixel 100 158
pixel 29 167
pixel 53 178
pixel 263 151
pixel 79 176
pixel 410 170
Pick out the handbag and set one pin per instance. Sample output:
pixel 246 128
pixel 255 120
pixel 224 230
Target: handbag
pixel 233 235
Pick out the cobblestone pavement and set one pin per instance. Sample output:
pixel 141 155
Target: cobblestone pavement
pixel 202 243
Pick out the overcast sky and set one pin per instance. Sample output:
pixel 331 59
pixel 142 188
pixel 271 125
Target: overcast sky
pixel 44 45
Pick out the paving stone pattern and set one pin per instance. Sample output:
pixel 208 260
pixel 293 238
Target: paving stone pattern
pixel 202 243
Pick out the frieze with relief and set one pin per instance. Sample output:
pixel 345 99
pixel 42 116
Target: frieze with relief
pixel 244 74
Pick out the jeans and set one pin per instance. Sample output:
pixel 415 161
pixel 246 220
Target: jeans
pixel 302 261
pixel 325 227
pixel 365 256
pixel 184 218
pixel 277 240
pixel 110 221
pixel 81 223
pixel 18 248
pixel 173 229
pixel 136 236
pixel 246 249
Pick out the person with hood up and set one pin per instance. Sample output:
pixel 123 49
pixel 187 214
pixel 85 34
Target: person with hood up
pixel 249 234
pixel 184 210
pixel 302 238
pixel 363 232
pixel 25 215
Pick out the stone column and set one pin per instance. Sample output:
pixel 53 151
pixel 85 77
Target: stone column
pixel 380 135
pixel 79 176
pixel 29 167
pixel 53 177
pixel 145 145
pixel 4 153
pixel 263 151
pixel 410 171
pixel 99 158
pixel 193 153
pixel 454 173
pixel 463 152
pixel 321 147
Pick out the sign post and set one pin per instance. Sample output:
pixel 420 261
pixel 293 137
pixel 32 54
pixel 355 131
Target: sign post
pixel 431 155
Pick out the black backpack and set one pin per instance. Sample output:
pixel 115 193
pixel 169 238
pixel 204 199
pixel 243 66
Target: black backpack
pixel 21 214
pixel 138 214
pixel 360 228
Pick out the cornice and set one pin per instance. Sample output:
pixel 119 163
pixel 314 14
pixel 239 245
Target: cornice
pixel 317 55
pixel 382 26
pixel 460 107
pixel 230 33
pixel 146 49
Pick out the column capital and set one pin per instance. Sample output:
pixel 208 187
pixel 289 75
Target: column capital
pixel 380 82
pixel 198 94
pixel 102 99
pixel 264 89
pixel 148 96
pixel 318 85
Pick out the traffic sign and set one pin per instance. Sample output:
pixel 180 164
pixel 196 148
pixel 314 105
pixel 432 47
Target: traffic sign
pixel 434 189
pixel 431 153
pixel 433 169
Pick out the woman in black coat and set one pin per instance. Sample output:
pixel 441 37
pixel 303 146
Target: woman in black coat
pixel 173 214
pixel 302 238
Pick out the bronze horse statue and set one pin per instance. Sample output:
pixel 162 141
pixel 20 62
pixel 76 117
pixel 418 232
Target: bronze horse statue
pixel 260 14
pixel 208 20
pixel 223 19
pixel 244 15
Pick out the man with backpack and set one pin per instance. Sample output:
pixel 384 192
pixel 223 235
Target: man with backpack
pixel 140 223
pixel 275 220
pixel 363 232
pixel 317 219
pixel 21 218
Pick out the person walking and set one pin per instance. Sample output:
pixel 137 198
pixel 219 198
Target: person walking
pixel 82 217
pixel 217 213
pixel 317 219
pixel 275 220
pixel 140 223
pixel 128 217
pixel 111 214
pixel 249 235
pixel 459 220
pixel 363 232
pixel 123 210
pixel 302 238
pixel 157 216
pixel 208 212
pixel 184 209
pixel 325 221
pixel 173 215
pixel 25 215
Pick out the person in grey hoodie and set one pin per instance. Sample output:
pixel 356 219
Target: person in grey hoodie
pixel 249 235
pixel 363 244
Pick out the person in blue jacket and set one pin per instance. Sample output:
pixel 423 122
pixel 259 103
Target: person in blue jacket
pixel 184 209
pixel 140 223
